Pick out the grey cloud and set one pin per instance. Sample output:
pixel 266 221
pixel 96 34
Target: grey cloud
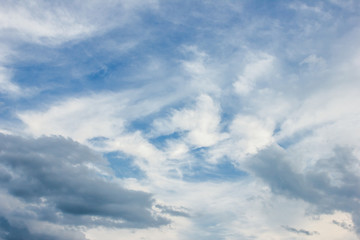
pixel 330 184
pixel 299 231
pixel 344 225
pixel 174 211
pixel 53 177
pixel 10 231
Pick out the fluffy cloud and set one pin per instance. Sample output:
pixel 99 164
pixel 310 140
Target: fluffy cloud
pixel 329 184
pixel 17 230
pixel 55 180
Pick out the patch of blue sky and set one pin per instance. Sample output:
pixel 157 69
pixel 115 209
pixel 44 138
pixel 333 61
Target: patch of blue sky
pixel 123 166
pixel 72 67
pixel 277 25
pixel 141 124
pixel 53 77
pixel 199 152
pixel 98 141
pixel 226 119
pixel 161 141
pixel 188 25
pixel 105 68
pixel 163 35
pixel 8 119
pixel 145 123
pixel 89 65
pixel 76 76
pixel 224 171
pixel 38 74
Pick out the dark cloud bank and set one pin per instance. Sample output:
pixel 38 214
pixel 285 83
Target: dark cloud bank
pixel 329 184
pixel 54 180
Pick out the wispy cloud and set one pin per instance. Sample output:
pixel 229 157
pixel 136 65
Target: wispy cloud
pixel 300 231
pixel 206 120
pixel 60 22
pixel 6 86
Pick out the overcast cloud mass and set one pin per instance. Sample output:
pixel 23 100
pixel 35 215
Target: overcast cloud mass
pixel 180 120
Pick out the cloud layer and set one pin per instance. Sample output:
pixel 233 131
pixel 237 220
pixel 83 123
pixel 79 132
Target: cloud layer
pixel 179 119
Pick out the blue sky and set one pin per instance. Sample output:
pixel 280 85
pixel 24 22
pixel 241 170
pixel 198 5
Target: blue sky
pixel 179 120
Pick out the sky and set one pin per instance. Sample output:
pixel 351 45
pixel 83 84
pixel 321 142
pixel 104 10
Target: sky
pixel 182 120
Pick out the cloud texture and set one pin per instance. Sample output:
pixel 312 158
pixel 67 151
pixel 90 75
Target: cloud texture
pixel 59 181
pixel 179 119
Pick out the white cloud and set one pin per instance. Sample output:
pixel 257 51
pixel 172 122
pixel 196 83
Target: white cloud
pixel 229 210
pixel 101 114
pixel 58 22
pixel 322 122
pixel 101 122
pixel 80 119
pixel 177 149
pixel 251 133
pixel 304 7
pixel 314 62
pixel 146 156
pixel 41 22
pixel 329 106
pixel 243 106
pixel 201 124
pixel 11 89
pixel 347 4
pixel 6 86
pixel 201 71
pixel 258 68
pixel 247 135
